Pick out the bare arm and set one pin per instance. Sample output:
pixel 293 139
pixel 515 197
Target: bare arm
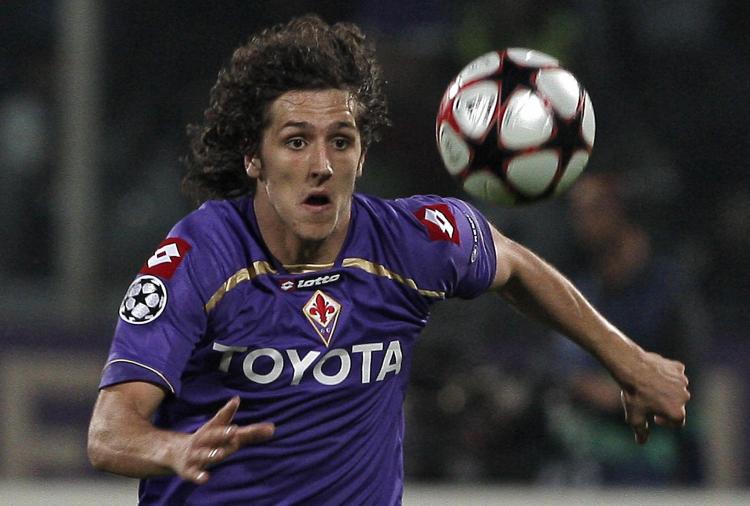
pixel 123 440
pixel 651 385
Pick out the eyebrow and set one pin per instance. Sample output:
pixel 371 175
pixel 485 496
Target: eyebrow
pixel 304 124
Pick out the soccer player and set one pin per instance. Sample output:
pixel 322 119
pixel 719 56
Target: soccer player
pixel 263 351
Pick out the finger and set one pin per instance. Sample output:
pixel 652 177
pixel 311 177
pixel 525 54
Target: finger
pixel 196 475
pixel 680 367
pixel 201 460
pixel 641 432
pixel 210 457
pixel 213 437
pixel 636 418
pixel 215 455
pixel 255 433
pixel 672 421
pixel 225 415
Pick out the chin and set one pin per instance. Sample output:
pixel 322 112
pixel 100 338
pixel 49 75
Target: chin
pixel 315 232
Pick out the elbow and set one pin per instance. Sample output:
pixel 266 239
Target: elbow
pixel 96 450
pixel 96 454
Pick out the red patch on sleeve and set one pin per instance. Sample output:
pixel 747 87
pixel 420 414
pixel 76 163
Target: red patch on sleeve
pixel 439 222
pixel 167 257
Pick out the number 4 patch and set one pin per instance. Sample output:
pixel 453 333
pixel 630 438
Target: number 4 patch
pixel 167 257
pixel 439 222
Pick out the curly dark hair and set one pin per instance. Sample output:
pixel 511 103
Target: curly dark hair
pixel 303 54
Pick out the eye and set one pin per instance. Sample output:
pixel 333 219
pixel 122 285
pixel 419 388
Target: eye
pixel 296 143
pixel 341 143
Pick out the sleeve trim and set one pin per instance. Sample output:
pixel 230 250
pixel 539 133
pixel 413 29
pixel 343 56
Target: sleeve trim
pixel 133 362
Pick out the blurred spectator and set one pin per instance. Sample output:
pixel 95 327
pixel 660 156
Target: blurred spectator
pixel 26 152
pixel 729 276
pixel 649 298
pixel 475 396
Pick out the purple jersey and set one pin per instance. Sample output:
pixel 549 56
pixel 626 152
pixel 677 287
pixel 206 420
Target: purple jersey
pixel 324 352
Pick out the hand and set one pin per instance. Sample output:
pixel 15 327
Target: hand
pixel 216 440
pixel 660 391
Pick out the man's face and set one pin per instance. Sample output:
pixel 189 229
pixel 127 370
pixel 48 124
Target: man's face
pixel 308 160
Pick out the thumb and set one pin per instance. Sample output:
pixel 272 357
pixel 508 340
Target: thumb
pixel 636 418
pixel 641 431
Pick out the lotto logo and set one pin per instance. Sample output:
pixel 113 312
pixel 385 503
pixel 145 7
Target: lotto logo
pixel 167 257
pixel 287 285
pixel 439 222
pixel 305 283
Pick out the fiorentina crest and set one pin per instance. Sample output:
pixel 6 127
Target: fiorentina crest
pixel 322 312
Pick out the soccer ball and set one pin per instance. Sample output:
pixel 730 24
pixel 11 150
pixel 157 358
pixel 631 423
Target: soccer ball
pixel 514 127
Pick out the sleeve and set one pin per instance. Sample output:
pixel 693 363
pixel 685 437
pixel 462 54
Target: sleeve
pixel 458 243
pixel 477 262
pixel 162 316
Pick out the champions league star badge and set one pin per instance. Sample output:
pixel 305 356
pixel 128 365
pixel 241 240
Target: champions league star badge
pixel 322 312
pixel 144 301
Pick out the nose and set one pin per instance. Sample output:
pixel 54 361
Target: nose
pixel 320 166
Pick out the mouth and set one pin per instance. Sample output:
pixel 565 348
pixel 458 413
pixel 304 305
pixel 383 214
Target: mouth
pixel 317 201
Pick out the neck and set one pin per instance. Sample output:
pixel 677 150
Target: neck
pixel 287 242
pixel 306 252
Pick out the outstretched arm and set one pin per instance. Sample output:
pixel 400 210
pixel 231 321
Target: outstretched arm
pixel 652 386
pixel 123 440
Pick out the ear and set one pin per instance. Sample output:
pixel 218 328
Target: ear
pixel 361 163
pixel 253 166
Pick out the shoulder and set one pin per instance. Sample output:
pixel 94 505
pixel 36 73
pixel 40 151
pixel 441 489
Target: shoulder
pixel 434 240
pixel 212 219
pixel 206 246
pixel 412 209
pixel 430 218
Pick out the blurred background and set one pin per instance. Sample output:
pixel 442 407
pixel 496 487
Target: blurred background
pixel 94 100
